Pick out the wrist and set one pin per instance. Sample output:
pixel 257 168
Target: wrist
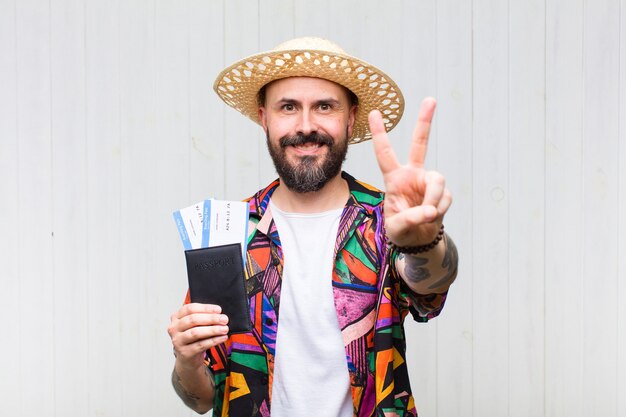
pixel 412 250
pixel 190 365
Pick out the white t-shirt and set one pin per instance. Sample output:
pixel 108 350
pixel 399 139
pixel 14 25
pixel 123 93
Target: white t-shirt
pixel 310 370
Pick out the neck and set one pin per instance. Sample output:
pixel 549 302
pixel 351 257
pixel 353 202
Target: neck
pixel 332 196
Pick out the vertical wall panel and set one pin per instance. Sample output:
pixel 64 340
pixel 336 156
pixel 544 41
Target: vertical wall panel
pixel 139 153
pixel 104 183
pixel 241 37
pixel 69 206
pixel 36 302
pixel 312 18
pixel 206 111
pixel 491 193
pixel 347 36
pixel 600 193
pixel 526 209
pixel 280 14
pixel 564 210
pixel 621 210
pixel 9 211
pixel 454 142
pixel 171 181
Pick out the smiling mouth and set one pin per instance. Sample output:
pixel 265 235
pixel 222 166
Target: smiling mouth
pixel 308 149
pixel 308 146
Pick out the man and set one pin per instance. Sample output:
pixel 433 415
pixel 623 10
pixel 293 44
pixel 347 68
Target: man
pixel 324 259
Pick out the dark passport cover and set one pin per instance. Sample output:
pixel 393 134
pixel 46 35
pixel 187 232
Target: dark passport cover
pixel 216 276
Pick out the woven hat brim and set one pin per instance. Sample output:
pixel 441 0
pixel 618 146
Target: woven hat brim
pixel 239 84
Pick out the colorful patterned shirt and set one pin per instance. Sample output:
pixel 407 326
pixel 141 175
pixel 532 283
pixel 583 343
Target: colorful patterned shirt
pixel 371 302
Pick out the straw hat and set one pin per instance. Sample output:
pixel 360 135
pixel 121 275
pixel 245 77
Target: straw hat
pixel 239 84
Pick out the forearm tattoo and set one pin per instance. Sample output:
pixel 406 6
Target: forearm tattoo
pixel 189 398
pixel 450 262
pixel 417 270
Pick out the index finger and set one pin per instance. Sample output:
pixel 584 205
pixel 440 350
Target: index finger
pixel 192 308
pixel 419 145
pixel 385 155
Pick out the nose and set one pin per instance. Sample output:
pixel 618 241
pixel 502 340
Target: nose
pixel 306 123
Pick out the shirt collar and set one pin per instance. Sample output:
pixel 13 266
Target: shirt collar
pixel 363 200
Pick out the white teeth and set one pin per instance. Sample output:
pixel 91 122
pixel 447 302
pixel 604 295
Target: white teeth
pixel 308 145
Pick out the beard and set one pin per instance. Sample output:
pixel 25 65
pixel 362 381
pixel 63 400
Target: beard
pixel 309 173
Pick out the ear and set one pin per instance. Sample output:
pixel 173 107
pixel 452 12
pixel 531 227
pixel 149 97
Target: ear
pixel 263 117
pixel 351 118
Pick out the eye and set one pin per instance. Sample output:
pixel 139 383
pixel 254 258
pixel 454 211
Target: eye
pixel 288 107
pixel 325 107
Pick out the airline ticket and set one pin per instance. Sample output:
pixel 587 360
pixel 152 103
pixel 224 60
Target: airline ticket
pixel 213 223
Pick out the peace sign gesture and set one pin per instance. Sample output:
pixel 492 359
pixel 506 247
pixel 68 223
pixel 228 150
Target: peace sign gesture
pixel 415 199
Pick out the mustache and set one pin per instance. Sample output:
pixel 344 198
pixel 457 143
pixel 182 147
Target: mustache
pixel 301 139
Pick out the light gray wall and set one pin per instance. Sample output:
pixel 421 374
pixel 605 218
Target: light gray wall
pixel 108 124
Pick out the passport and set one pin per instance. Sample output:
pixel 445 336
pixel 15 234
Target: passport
pixel 216 276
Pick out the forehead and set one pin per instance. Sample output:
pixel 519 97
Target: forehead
pixel 303 88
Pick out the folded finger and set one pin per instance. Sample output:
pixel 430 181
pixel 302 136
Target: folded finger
pixel 193 308
pixel 444 203
pixel 435 186
pixel 200 346
pixel 206 332
pixel 406 220
pixel 200 320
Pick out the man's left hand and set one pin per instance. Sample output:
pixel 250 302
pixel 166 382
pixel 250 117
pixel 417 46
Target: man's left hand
pixel 416 200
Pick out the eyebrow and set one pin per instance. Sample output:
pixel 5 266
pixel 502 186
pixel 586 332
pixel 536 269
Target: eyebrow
pixel 328 100
pixel 287 100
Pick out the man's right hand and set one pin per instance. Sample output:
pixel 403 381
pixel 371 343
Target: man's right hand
pixel 194 329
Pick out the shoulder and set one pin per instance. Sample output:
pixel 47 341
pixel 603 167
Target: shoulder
pixel 259 201
pixel 364 194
